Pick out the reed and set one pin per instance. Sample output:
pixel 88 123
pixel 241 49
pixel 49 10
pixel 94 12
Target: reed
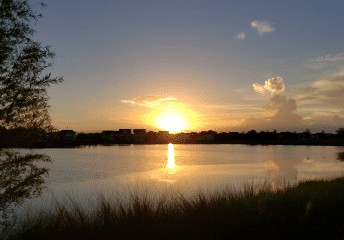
pixel 311 209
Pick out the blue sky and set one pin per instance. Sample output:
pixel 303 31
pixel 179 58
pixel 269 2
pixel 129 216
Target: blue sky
pixel 127 63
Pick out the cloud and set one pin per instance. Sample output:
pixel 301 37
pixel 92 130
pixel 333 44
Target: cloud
pixel 328 60
pixel 149 101
pixel 329 90
pixel 274 85
pixel 279 114
pixel 234 107
pixel 315 99
pixel 262 27
pixel 319 83
pixel 241 36
pixel 328 123
pixel 281 111
pixel 339 56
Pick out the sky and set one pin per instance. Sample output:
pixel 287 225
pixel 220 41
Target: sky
pixel 214 65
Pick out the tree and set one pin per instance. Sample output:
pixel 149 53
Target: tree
pixel 307 133
pixel 252 135
pixel 23 96
pixel 23 99
pixel 340 132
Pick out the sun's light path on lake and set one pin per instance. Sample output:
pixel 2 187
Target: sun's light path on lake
pixel 170 163
pixel 171 168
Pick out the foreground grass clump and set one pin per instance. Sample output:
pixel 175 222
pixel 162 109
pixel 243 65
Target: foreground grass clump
pixel 311 209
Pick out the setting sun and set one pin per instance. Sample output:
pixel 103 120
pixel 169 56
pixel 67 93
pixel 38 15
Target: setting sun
pixel 173 117
pixel 171 123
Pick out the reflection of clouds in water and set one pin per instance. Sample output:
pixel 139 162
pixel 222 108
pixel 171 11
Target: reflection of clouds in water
pixel 292 168
pixel 192 178
pixel 283 167
pixel 271 165
pixel 181 173
pixel 325 167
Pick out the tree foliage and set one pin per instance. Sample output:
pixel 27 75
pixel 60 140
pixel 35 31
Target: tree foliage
pixel 23 99
pixel 340 131
pixel 23 96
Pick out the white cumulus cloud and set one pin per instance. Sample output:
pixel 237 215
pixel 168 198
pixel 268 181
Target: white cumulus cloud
pixel 241 36
pixel 274 85
pixel 262 27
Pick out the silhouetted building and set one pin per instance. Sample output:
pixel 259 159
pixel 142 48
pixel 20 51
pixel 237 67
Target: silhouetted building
pixel 109 135
pixel 124 131
pixel 139 132
pixel 207 136
pixel 139 136
pixel 67 136
pixel 163 136
pixel 183 136
pixel 53 136
pixel 124 134
pixel 42 134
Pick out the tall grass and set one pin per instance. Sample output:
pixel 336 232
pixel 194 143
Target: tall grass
pixel 312 209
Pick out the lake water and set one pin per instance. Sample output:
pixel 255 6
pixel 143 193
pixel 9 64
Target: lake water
pixel 162 169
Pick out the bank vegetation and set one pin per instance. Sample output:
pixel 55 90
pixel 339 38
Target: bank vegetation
pixel 311 209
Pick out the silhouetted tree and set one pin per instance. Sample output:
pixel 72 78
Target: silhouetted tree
pixel 340 131
pixel 263 136
pixel 23 96
pixel 273 135
pixel 252 135
pixel 307 133
pixel 152 137
pixel 222 137
pixel 23 99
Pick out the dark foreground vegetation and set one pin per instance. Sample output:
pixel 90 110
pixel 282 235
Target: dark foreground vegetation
pixel 312 209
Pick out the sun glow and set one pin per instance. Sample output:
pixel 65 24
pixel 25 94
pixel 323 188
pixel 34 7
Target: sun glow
pixel 171 123
pixel 173 117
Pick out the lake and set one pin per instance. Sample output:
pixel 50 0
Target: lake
pixel 167 168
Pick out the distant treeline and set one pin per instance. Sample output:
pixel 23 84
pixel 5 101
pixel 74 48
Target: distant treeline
pixel 36 137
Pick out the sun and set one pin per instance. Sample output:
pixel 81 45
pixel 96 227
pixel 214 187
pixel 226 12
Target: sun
pixel 174 117
pixel 171 123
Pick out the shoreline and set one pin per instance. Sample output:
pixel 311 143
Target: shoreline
pixel 254 143
pixel 310 208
